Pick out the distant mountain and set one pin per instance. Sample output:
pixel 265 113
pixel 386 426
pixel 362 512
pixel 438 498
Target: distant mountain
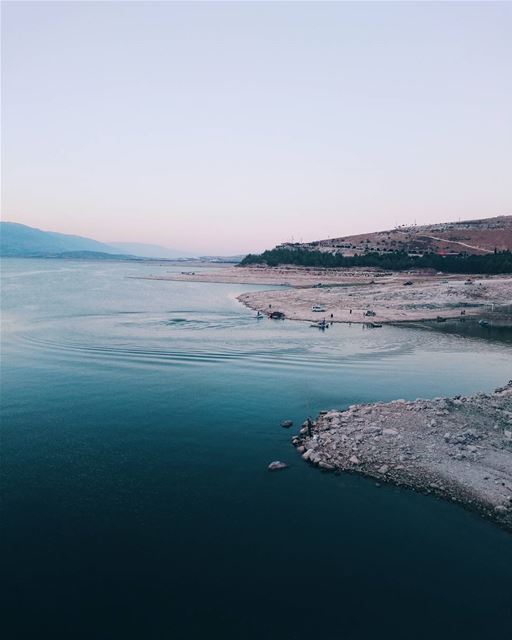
pixel 224 259
pixel 149 250
pixel 23 241
pixel 19 240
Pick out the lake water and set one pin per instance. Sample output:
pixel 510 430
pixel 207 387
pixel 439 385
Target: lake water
pixel 138 419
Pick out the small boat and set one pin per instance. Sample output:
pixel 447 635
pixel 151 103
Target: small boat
pixel 259 315
pixel 440 319
pixel 373 325
pixel 483 323
pixel 320 325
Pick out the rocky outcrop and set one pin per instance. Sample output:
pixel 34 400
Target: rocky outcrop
pixel 458 448
pixel 277 465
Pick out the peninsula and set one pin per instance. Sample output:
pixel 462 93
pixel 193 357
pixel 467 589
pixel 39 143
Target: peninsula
pixel 457 448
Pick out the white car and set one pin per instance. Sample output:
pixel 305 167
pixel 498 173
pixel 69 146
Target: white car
pixel 318 308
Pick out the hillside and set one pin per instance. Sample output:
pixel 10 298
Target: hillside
pixel 19 240
pixel 472 246
pixel 473 237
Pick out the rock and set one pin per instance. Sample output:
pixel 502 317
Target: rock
pixel 384 469
pixel 301 449
pixel 354 460
pixel 287 424
pixel 372 429
pixel 315 458
pixel 326 466
pixel 390 432
pixel 468 435
pixel 277 465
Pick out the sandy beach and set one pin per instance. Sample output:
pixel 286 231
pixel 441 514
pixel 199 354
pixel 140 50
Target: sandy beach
pixel 348 294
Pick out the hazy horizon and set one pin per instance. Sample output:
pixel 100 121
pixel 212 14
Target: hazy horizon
pixel 224 128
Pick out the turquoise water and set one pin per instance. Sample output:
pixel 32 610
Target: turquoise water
pixel 138 418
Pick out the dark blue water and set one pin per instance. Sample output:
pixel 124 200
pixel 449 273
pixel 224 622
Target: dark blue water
pixel 138 418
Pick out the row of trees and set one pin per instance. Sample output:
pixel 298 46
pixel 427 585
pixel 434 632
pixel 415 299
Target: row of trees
pixel 497 262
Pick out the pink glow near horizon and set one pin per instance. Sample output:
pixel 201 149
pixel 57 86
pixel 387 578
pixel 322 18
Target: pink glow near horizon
pixel 231 127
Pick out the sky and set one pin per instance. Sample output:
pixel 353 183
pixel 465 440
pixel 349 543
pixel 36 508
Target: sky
pixel 231 127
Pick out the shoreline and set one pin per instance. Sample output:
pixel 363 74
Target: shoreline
pixel 392 299
pixel 459 449
pixel 347 295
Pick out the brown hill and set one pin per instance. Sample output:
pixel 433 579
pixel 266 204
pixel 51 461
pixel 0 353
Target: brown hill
pixel 468 236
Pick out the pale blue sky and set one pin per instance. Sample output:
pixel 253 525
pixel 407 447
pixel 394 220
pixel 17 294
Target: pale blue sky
pixel 230 127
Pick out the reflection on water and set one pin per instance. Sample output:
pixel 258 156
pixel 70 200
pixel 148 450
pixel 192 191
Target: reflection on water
pixel 497 329
pixel 138 419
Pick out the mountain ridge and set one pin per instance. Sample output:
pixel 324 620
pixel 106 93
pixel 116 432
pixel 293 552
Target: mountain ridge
pixel 20 240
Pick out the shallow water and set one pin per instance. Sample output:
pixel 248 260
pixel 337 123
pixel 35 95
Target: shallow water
pixel 138 419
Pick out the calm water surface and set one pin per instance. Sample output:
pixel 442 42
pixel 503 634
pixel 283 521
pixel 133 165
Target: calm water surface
pixel 138 418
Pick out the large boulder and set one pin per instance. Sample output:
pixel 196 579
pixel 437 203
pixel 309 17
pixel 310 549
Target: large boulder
pixel 277 465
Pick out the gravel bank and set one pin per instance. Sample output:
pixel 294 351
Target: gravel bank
pixel 457 448
pixel 424 298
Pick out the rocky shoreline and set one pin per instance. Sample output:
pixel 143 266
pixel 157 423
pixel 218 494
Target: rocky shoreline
pixel 457 448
